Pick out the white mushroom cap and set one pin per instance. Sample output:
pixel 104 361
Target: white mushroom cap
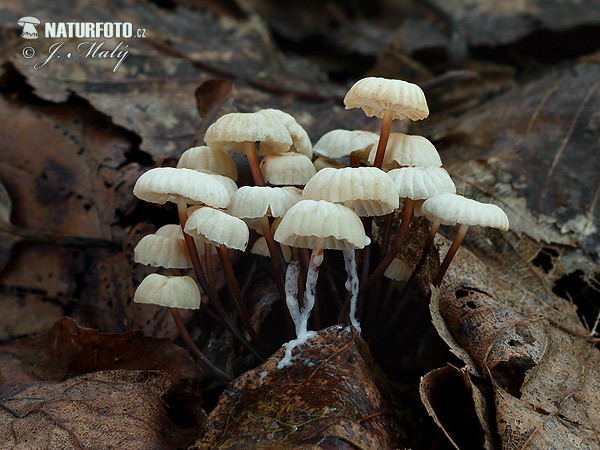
pixel 258 201
pixel 217 227
pixel 321 224
pixel 166 184
pixel 162 251
pixel 451 209
pixel 398 270
pixel 208 159
pixel 367 190
pixel 378 95
pixel 171 230
pixel 300 139
pixel 406 150
pixel 232 130
pixel 172 292
pixel 322 162
pixel 339 143
pixel 227 182
pixel 419 183
pixel 261 248
pixel 287 169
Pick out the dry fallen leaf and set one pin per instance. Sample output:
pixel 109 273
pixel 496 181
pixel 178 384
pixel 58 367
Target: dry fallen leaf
pixel 326 398
pixel 112 409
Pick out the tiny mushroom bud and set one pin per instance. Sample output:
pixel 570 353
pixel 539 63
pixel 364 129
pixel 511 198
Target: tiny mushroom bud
pixel 287 169
pixel 173 292
pixel 208 159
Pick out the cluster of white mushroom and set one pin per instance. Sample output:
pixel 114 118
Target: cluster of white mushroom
pixel 386 170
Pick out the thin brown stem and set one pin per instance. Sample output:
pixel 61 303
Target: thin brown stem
pixel 205 363
pixel 210 274
pixel 386 126
pixel 460 235
pixel 354 161
pixel 236 293
pixel 387 230
pixel 250 148
pixel 407 212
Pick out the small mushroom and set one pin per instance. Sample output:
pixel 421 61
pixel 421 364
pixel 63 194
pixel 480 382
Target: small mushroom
pixel 353 143
pixel 318 225
pixel 208 159
pixel 322 162
pixel 300 140
pixel 239 132
pixel 452 209
pixel 284 169
pixel 404 150
pixel 162 249
pixel 388 100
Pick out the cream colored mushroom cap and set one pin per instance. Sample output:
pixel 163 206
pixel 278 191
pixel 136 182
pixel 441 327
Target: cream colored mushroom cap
pixel 171 230
pixel 287 169
pixel 451 209
pixel 419 183
pixel 322 162
pixel 217 227
pixel 300 140
pixel 339 143
pixel 320 224
pixel 165 184
pixel 366 190
pixel 172 292
pixel 406 150
pixel 258 201
pixel 208 159
pixel 232 130
pixel 162 251
pixel 261 248
pixel 378 95
pixel 227 182
pixel 398 270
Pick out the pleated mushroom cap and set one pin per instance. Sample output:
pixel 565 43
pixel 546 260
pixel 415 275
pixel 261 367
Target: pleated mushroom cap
pixel 208 159
pixel 419 183
pixel 378 95
pixel 321 224
pixel 366 190
pixel 451 209
pixel 300 140
pixel 408 151
pixel 258 201
pixel 322 162
pixel 231 131
pixel 166 184
pixel 171 230
pixel 398 270
pixel 162 251
pixel 340 143
pixel 261 248
pixel 287 169
pixel 217 227
pixel 172 292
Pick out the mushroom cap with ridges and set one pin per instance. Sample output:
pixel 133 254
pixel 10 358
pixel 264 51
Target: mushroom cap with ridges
pixel 419 183
pixel 208 159
pixel 398 270
pixel 217 227
pixel 340 143
pixel 231 131
pixel 261 248
pixel 451 209
pixel 287 169
pixel 300 140
pixel 172 292
pixel 258 201
pixel 320 224
pixel 322 162
pixel 368 191
pixel 171 230
pixel 162 251
pixel 407 151
pixel 378 95
pixel 165 184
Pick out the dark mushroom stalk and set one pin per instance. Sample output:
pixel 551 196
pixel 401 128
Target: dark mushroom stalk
pixel 252 156
pixel 384 134
pixel 460 235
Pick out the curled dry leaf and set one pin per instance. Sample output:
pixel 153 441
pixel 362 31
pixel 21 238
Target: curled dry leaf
pixel 113 409
pixel 326 398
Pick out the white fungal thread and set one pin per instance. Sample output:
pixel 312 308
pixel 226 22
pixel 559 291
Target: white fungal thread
pixel 352 286
pixel 300 317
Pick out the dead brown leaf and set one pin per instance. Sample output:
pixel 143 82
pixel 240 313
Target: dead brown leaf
pixel 113 409
pixel 327 397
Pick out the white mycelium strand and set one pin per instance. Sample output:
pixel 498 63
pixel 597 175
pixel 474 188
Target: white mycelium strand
pixel 352 285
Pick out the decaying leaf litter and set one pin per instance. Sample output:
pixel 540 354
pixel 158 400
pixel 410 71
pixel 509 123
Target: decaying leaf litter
pixel 515 137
